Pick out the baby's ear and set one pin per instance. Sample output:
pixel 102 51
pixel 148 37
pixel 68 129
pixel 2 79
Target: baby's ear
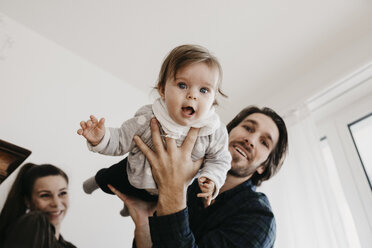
pixel 161 92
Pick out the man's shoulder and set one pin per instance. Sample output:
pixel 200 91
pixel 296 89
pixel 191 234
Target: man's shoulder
pixel 251 199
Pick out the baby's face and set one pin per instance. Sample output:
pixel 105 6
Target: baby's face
pixel 191 94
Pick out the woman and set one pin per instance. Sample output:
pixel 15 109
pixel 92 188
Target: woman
pixel 35 208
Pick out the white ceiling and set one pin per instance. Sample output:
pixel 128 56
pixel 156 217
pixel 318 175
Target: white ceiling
pixel 275 53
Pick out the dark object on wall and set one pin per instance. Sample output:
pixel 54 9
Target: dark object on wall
pixel 11 156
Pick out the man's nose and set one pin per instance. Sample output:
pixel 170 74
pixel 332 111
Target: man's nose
pixel 251 141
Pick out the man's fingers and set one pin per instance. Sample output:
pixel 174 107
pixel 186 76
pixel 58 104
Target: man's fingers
pixel 150 155
pixel 80 131
pixel 197 164
pixel 171 145
pixel 190 139
pixel 156 138
pixel 118 193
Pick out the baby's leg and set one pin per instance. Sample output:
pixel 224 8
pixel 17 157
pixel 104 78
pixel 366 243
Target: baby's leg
pixel 117 176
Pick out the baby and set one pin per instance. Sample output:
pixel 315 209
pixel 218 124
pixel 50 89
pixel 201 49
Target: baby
pixel 189 80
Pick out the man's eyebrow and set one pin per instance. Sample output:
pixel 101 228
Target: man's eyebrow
pixel 251 121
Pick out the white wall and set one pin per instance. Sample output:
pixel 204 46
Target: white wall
pixel 45 92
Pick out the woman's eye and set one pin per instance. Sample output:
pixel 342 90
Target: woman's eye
pixel 63 193
pixel 204 90
pixel 181 85
pixel 44 195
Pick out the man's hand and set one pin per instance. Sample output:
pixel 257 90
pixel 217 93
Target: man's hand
pixel 93 130
pixel 207 187
pixel 139 211
pixel 172 168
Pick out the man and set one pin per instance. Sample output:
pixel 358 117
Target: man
pixel 239 216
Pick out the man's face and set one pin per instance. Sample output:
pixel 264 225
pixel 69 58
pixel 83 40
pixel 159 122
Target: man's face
pixel 250 144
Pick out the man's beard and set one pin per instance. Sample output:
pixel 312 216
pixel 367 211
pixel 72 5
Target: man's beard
pixel 240 171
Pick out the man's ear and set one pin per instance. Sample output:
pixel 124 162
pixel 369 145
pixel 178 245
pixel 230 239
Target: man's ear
pixel 261 169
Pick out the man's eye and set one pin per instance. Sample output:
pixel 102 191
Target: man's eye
pixel 265 143
pixel 247 128
pixel 181 85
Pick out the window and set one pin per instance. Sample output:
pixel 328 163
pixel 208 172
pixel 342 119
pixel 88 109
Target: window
pixel 361 133
pixel 346 219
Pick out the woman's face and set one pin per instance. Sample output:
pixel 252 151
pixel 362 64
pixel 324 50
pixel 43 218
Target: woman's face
pixel 50 195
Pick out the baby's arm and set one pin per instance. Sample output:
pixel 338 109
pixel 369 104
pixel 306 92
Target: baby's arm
pixel 93 130
pixel 217 160
pixel 116 141
pixel 207 187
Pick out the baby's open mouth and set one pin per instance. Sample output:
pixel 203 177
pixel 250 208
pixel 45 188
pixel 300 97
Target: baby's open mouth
pixel 188 110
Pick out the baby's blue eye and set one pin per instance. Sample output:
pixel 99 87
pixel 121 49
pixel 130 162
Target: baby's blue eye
pixel 204 90
pixel 182 85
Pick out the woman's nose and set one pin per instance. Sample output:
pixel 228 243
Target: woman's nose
pixel 55 202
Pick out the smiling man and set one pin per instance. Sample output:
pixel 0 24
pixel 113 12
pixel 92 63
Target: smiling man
pixel 239 216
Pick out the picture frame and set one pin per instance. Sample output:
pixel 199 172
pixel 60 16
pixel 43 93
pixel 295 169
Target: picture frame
pixel 11 157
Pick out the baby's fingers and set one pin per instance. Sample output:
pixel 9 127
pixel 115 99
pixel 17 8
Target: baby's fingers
pixel 93 119
pixel 101 123
pixel 83 125
pixel 89 123
pixel 203 194
pixel 208 201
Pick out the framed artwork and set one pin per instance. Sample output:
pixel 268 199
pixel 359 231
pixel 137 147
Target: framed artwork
pixel 11 156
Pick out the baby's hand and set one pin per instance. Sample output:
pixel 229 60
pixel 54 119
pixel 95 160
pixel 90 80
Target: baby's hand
pixel 93 130
pixel 208 187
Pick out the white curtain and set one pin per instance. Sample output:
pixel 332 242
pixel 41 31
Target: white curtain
pixel 301 196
